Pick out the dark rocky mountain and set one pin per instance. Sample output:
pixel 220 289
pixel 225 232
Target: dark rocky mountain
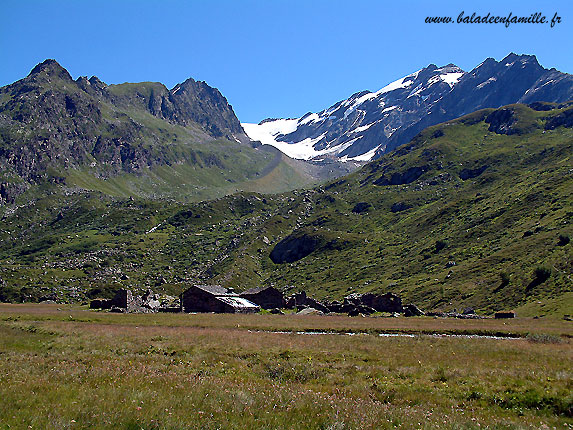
pixel 368 124
pixel 51 125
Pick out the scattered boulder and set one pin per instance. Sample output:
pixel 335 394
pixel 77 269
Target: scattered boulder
pixel 501 120
pixel 403 178
pixel 313 303
pixel 380 303
pixel 412 311
pixel 502 315
pixel 399 207
pixel 564 119
pixel 360 310
pixel 310 311
pixel 335 306
pixel 361 207
pixel 300 299
pixel 466 174
pixel 353 312
pixel 294 248
pixel 151 301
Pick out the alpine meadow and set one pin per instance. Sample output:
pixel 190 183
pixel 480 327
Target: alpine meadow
pixel 401 259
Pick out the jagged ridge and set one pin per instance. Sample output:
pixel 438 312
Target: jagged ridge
pixel 367 124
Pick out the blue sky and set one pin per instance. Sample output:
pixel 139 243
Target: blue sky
pixel 270 58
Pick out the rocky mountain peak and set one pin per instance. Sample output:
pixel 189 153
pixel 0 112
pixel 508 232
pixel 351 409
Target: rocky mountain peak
pixel 523 58
pixel 50 68
pixel 368 124
pixel 451 68
pixel 429 68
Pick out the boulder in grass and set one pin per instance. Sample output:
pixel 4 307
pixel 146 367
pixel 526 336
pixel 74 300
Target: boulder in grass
pixel 502 315
pixel 361 207
pixel 412 311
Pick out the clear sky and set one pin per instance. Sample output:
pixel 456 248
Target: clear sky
pixel 270 58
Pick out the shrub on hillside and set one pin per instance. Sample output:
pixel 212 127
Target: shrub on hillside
pixel 542 274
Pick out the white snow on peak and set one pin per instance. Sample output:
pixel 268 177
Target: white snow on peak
pixel 451 78
pixel 400 83
pixel 353 103
pixel 303 150
pixel 268 131
pixel 311 118
pixel 363 98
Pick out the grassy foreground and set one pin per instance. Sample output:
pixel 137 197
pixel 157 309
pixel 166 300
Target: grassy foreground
pixel 65 367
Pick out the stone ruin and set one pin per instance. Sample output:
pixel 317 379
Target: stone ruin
pixel 125 301
pixel 354 304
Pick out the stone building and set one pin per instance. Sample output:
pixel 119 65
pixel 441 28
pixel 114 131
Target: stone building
pixel 265 297
pixel 214 298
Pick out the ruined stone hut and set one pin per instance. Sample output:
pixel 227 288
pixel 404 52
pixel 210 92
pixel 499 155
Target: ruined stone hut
pixel 214 298
pixel 265 297
pixel 123 299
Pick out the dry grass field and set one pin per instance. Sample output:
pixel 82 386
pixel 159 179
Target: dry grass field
pixel 67 367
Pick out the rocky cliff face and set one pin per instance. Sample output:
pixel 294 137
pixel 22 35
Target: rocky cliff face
pixel 369 124
pixel 49 122
pixel 197 102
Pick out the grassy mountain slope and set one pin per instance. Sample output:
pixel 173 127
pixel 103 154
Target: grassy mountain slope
pixel 139 140
pixel 475 212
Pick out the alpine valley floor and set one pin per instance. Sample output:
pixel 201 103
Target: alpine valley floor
pixel 67 367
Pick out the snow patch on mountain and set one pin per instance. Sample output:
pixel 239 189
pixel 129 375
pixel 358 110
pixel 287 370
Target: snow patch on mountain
pixel 266 132
pixel 364 157
pixel 367 124
pixel 405 82
pixel 489 81
pixel 451 78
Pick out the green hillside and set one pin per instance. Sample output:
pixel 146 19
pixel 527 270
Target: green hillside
pixel 130 140
pixel 475 212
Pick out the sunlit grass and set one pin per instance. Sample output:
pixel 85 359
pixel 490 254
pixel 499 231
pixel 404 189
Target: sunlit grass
pixel 129 372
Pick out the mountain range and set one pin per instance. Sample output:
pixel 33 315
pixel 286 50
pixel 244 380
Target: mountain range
pixel 133 140
pixel 138 186
pixel 472 213
pixel 369 124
